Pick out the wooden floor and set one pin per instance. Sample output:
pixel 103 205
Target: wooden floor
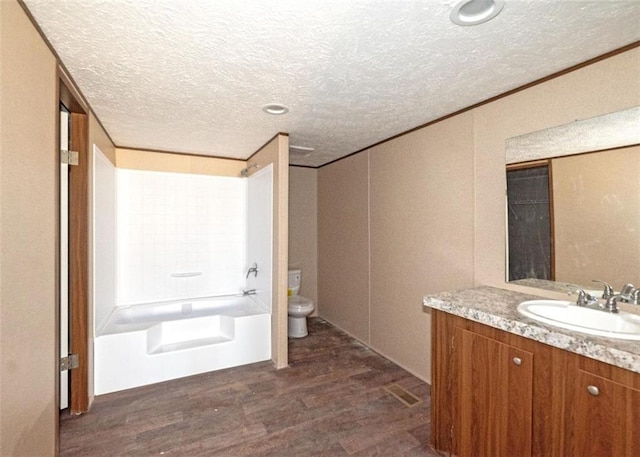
pixel 330 401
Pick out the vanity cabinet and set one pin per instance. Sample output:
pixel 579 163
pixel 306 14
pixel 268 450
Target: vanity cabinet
pixel 498 394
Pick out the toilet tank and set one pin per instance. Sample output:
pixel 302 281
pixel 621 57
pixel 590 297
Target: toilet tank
pixel 295 276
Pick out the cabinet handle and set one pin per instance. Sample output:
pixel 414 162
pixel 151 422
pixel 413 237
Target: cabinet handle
pixel 517 361
pixel 593 390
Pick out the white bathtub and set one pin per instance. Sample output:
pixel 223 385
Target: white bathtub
pixel 145 344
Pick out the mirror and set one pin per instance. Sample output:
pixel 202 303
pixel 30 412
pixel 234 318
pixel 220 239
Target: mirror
pixel 573 203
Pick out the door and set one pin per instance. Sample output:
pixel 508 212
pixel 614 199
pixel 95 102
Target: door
pixel 530 222
pixel 64 255
pixel 602 417
pixel 493 415
pixel 74 252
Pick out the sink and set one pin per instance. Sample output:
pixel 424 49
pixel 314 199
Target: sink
pixel 568 315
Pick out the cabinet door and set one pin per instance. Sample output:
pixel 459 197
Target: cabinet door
pixel 494 398
pixel 602 417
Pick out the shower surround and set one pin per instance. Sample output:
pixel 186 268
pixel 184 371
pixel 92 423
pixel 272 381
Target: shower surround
pixel 184 302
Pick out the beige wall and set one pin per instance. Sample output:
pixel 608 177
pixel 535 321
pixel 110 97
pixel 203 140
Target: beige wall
pixel 99 138
pixel 343 245
pixel 276 152
pixel 392 228
pixel 421 232
pixel 303 228
pixel 434 163
pixel 596 206
pixel 28 221
pixel 178 163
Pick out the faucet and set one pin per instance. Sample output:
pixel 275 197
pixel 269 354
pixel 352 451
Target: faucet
pixel 253 269
pixel 612 303
pixel 630 294
pixel 585 298
pixel 608 290
pixel 249 292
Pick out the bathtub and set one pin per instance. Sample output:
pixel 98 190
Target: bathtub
pixel 154 342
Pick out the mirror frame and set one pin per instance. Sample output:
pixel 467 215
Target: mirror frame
pixel 609 131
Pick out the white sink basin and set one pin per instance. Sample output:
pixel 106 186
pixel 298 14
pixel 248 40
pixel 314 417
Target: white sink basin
pixel 568 315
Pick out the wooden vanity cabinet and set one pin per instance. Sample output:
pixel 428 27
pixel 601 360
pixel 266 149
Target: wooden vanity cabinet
pixel 602 411
pixel 498 394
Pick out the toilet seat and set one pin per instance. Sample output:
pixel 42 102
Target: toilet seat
pixel 299 303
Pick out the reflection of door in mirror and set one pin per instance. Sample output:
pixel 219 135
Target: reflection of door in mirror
pixel 530 221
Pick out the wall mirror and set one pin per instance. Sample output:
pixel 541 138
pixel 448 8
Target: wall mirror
pixel 573 203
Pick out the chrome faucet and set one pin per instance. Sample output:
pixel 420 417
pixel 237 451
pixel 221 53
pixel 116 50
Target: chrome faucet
pixel 612 303
pixel 630 294
pixel 249 292
pixel 253 269
pixel 585 298
pixel 608 290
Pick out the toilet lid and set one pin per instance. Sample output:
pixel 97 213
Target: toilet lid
pixel 298 302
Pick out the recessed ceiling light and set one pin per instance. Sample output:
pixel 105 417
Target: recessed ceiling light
pixel 275 109
pixel 473 12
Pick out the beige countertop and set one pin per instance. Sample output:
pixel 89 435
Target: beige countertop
pixel 497 308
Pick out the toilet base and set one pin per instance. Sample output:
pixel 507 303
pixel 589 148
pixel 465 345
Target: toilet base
pixel 297 327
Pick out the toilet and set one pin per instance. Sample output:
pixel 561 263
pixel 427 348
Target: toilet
pixel 299 307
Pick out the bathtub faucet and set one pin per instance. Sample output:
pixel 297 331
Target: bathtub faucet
pixel 253 269
pixel 249 292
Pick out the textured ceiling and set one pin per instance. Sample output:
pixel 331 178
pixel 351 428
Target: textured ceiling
pixel 192 75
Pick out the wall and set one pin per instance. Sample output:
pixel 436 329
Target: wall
pixel 276 152
pixel 421 232
pixel 135 159
pixel 392 228
pixel 28 227
pixel 596 201
pixel 343 245
pixel 260 234
pixel 97 137
pixel 175 224
pixel 103 240
pixel 303 228
pixel 379 235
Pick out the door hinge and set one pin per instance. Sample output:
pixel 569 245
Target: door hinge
pixel 69 157
pixel 69 363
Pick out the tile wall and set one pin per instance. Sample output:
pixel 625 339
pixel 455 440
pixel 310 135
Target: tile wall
pixel 179 236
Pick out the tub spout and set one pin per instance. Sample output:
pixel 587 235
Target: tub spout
pixel 249 292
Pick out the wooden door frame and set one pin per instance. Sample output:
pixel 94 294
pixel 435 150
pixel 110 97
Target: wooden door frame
pixel 79 244
pixel 549 164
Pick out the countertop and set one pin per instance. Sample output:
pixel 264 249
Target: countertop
pixel 497 308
